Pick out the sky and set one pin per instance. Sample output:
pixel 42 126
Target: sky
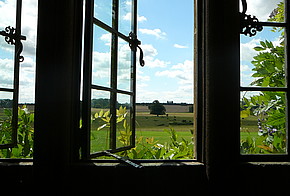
pixel 165 28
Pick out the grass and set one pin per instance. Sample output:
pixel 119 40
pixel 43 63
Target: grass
pixel 148 126
pixel 249 127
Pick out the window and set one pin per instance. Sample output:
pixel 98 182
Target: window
pixel 109 75
pixel 17 73
pixel 264 84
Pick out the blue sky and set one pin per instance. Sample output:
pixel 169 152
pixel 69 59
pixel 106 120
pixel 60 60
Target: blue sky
pixel 165 29
pixel 167 34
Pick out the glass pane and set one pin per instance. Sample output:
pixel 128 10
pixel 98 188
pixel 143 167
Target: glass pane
pixel 124 65
pixel 262 59
pixel 6 103
pixel 263 122
pixel 101 65
pixel 125 16
pixel 8 18
pixel 6 68
pixel 124 122
pixel 100 126
pixel 103 11
pixel 266 10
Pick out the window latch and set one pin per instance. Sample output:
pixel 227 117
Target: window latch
pixel 249 25
pixel 122 159
pixel 134 44
pixel 12 37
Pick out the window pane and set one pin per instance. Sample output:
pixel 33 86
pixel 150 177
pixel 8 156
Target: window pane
pixel 263 122
pixel 262 59
pixel 124 122
pixel 265 10
pixel 101 65
pixel 103 11
pixel 6 103
pixel 124 65
pixel 8 18
pixel 125 15
pixel 7 68
pixel 100 126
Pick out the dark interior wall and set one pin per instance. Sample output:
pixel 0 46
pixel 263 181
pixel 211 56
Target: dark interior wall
pixel 254 179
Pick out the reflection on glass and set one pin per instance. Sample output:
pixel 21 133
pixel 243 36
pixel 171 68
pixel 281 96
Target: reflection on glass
pixel 100 126
pixel 263 122
pixel 6 103
pixel 101 62
pixel 265 10
pixel 6 71
pixel 124 65
pixel 103 11
pixel 125 16
pixel 124 131
pixel 262 59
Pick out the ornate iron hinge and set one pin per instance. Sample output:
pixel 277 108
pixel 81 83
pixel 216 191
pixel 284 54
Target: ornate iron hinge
pixel 134 44
pixel 12 37
pixel 249 24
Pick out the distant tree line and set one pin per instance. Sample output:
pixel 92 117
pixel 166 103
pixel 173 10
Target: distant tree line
pixel 105 103
pixel 6 103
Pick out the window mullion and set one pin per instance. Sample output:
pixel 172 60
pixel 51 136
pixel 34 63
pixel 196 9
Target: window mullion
pixel 287 61
pixel 114 75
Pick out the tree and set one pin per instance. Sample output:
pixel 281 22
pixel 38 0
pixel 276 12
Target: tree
pixel 269 106
pixel 157 108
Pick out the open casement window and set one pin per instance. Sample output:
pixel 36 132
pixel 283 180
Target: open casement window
pixel 109 76
pixel 264 91
pixel 10 35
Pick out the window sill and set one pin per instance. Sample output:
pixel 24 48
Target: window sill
pixel 16 162
pixel 144 163
pixel 265 164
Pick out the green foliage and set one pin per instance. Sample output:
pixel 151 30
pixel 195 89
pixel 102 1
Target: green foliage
pixel 24 148
pixel 269 106
pixel 157 108
pixel 150 149
pixel 147 148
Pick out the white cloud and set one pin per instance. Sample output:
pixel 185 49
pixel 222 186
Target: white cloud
pixel 260 8
pixel 6 73
pixel 150 54
pixel 244 68
pixel 29 29
pixel 182 71
pixel 155 32
pixel 179 46
pixel 128 17
pixel 181 94
pixel 247 50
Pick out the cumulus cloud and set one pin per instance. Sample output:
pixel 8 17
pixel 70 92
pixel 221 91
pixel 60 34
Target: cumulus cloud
pixel 128 17
pixel 182 71
pixel 29 29
pixel 179 46
pixel 247 50
pixel 28 22
pixel 150 54
pixel 260 8
pixel 157 33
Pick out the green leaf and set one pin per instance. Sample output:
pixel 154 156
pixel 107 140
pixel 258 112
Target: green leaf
pixel 263 44
pixel 245 113
pixel 259 48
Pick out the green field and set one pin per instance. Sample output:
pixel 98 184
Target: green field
pixel 249 127
pixel 148 126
